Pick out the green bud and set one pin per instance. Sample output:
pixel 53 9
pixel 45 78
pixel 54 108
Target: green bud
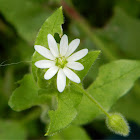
pixel 117 124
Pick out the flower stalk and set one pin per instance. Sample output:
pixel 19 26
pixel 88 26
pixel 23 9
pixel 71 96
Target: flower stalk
pixel 114 121
pixel 94 101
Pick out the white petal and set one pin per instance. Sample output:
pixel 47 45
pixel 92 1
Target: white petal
pixel 61 80
pixel 71 75
pixel 63 45
pixel 78 55
pixel 53 45
pixel 44 64
pixel 44 52
pixel 72 47
pixel 51 72
pixel 75 65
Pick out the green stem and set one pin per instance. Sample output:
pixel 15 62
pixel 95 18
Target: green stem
pixel 96 103
pixel 93 100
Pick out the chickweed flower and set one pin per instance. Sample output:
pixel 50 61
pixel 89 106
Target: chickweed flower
pixel 60 60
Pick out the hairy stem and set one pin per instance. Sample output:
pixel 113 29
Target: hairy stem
pixel 93 100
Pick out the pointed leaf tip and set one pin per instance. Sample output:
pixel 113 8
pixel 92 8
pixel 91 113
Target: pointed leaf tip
pixel 61 8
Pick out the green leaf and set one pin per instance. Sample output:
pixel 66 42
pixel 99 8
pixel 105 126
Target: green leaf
pixel 115 80
pixel 87 62
pixel 27 96
pixel 66 113
pixel 51 26
pixel 72 132
pixel 66 110
pixel 26 20
pixel 124 31
pixel 70 93
pixel 12 130
pixel 129 106
pixel 127 7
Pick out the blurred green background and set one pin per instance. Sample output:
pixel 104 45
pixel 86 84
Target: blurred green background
pixel 112 26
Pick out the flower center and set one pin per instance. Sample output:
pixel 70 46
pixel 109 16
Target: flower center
pixel 61 62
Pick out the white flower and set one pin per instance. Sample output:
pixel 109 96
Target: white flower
pixel 61 60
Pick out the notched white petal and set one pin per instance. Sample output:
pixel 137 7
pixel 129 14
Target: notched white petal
pixel 44 64
pixel 75 65
pixel 51 72
pixel 53 45
pixel 44 52
pixel 61 80
pixel 63 45
pixel 72 47
pixel 78 55
pixel 71 75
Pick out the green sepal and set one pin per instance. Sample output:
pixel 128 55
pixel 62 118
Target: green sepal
pixel 117 124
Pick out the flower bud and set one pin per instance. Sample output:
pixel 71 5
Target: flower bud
pixel 117 124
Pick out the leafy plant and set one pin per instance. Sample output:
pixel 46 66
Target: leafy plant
pixel 75 105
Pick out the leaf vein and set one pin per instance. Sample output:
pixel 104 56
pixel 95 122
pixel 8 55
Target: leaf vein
pixel 113 79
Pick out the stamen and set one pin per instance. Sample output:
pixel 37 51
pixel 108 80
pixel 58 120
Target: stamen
pixel 61 62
